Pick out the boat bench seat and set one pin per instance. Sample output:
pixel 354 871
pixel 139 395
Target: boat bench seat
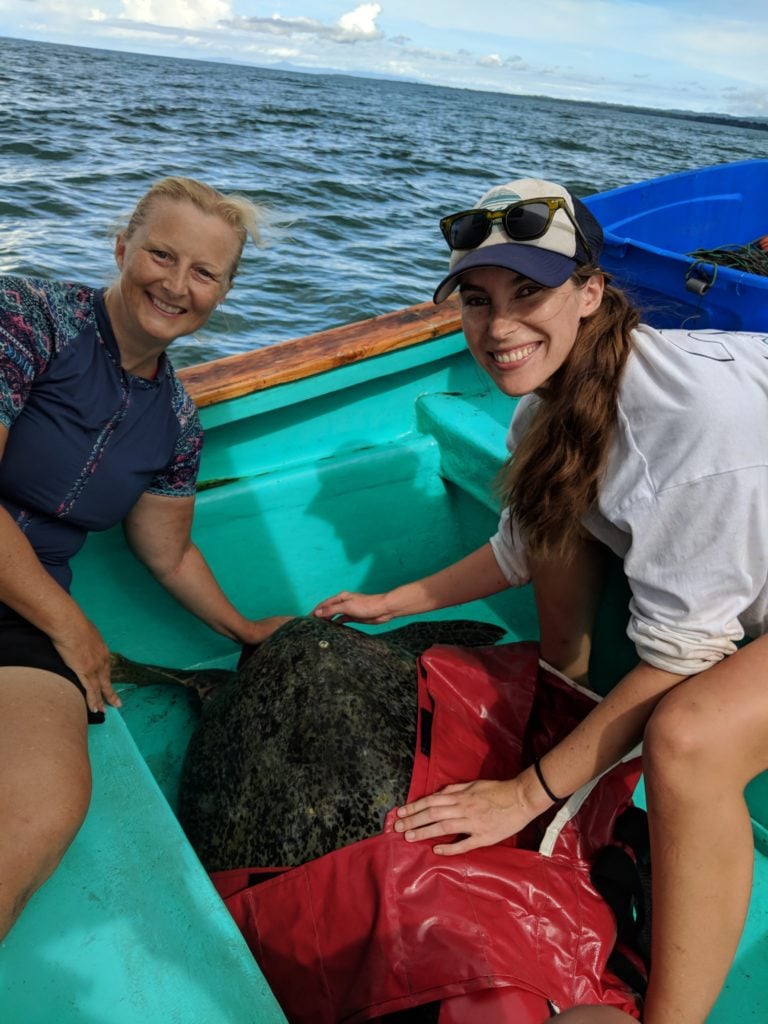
pixel 471 440
pixel 129 928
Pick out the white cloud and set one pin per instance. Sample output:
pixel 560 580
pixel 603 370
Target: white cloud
pixel 362 21
pixel 176 13
pixel 708 36
pixel 282 53
pixel 354 26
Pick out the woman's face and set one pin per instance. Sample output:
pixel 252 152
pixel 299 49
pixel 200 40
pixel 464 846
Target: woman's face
pixel 174 269
pixel 520 332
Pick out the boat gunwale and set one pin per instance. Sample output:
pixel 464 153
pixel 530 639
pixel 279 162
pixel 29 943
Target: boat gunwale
pixel 258 369
pixel 623 243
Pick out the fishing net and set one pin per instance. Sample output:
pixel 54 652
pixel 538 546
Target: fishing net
pixel 752 258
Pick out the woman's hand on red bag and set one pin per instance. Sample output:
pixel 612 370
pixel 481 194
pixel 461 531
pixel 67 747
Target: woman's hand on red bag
pixel 482 813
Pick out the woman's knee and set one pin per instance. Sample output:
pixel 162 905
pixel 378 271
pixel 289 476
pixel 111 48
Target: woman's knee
pixel 677 729
pixel 46 775
pixel 715 722
pixel 37 833
pixel 43 801
pixel 31 849
pixel 46 815
pixel 54 823
pixel 684 739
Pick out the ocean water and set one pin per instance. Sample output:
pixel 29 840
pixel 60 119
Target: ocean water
pixel 357 171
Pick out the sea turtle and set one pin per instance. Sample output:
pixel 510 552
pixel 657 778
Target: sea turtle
pixel 310 743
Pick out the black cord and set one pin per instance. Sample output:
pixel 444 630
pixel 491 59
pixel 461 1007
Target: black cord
pixel 542 780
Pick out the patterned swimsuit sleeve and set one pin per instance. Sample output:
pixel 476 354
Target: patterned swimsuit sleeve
pixel 27 337
pixel 179 479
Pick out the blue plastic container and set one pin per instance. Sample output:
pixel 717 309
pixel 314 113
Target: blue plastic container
pixel 652 227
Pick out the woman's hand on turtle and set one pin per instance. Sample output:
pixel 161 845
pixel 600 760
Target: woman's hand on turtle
pixel 482 813
pixel 256 631
pixel 82 649
pixel 347 606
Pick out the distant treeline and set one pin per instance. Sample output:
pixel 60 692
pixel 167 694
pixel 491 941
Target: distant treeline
pixel 760 123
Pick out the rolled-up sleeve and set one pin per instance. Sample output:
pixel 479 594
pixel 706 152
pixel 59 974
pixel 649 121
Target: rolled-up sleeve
pixel 697 565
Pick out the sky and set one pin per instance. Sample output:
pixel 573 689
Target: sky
pixel 700 55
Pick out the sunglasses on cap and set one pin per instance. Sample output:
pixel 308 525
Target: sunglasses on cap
pixel 522 221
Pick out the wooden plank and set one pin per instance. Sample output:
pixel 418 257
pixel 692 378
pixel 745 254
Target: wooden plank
pixel 242 374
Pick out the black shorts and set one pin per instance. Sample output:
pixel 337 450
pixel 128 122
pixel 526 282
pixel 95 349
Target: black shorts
pixel 25 645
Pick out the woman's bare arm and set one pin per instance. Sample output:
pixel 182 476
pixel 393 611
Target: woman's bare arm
pixel 476 576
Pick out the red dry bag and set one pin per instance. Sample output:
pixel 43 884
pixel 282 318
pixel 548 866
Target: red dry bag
pixel 501 934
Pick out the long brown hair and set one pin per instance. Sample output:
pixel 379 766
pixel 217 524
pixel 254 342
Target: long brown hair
pixel 551 481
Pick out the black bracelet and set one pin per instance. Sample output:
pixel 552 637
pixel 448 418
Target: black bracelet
pixel 544 786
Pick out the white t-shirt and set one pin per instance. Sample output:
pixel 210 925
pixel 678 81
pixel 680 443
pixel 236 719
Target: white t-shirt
pixel 684 500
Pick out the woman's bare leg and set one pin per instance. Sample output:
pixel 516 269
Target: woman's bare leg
pixel 705 741
pixel 567 597
pixel 46 780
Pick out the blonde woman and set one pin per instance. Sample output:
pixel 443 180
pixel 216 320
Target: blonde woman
pixel 96 429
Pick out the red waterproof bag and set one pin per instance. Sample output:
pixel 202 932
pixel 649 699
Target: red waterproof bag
pixel 502 934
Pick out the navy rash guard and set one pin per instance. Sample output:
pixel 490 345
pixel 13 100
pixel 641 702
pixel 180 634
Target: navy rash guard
pixel 86 439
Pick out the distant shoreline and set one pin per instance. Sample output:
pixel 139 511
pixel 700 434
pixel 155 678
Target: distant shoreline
pixel 706 117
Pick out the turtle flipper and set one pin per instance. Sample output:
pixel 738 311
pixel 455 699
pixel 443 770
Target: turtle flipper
pixel 416 637
pixel 205 681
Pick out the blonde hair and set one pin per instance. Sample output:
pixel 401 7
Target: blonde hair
pixel 552 480
pixel 243 216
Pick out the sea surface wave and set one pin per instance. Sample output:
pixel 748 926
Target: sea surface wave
pixel 357 172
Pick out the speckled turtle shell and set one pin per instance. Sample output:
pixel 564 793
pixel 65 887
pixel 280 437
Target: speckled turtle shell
pixel 310 743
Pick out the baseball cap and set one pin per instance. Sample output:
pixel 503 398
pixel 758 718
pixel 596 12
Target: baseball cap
pixel 565 234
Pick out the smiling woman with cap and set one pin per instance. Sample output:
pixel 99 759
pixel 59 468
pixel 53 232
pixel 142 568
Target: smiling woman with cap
pixel 623 441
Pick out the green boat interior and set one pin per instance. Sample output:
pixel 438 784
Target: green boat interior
pixel 365 473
